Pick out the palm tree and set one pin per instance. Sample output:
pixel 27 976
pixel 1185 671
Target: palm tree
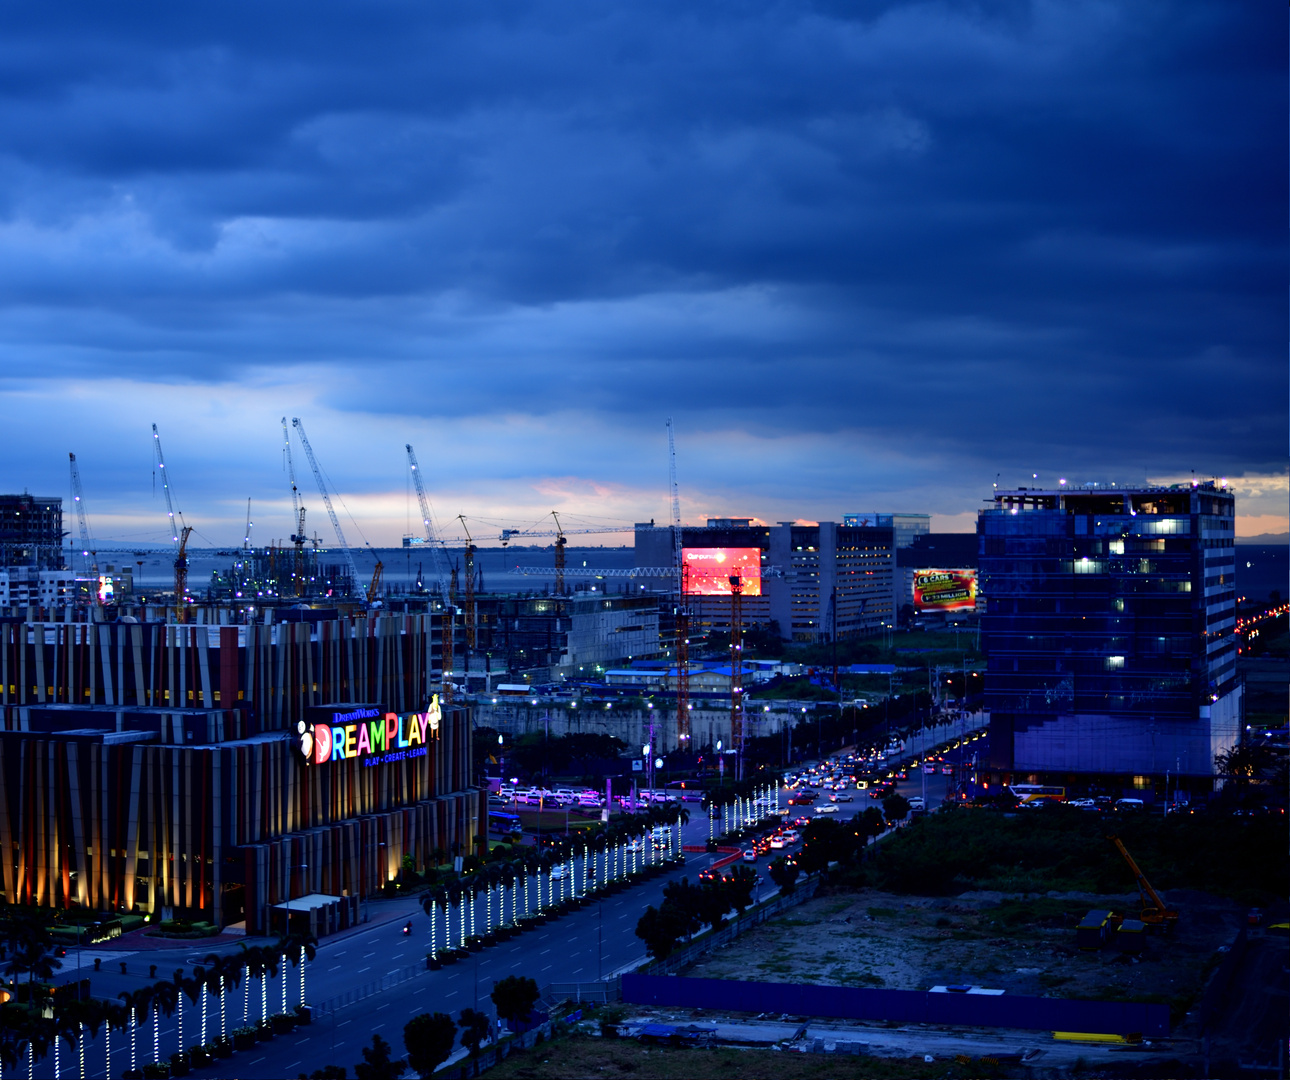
pixel 166 998
pixel 305 948
pixel 136 1002
pixel 221 972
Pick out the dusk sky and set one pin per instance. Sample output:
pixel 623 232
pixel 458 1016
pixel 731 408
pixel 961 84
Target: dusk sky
pixel 868 256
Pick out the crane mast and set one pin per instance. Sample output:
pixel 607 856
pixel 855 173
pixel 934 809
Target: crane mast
pixel 560 542
pixel 88 555
pixel 179 533
pixel 297 517
pixel 322 490
pixel 737 671
pixel 679 585
pixel 441 571
pixel 470 588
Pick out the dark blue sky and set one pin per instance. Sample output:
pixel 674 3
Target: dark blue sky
pixel 866 260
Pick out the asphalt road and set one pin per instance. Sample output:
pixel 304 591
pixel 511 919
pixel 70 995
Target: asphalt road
pixel 591 943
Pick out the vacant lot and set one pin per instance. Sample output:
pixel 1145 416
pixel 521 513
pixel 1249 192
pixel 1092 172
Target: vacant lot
pixel 583 1056
pixel 1024 945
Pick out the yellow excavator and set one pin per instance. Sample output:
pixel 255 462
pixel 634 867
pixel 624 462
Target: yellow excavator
pixel 1154 912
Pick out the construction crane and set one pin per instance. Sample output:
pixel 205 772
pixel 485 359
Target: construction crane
pixel 299 536
pixel 441 571
pixel 246 536
pixel 679 585
pixel 507 535
pixel 179 534
pixel 1154 911
pixel 335 521
pixel 88 554
pixel 560 542
pixel 737 671
pixel 470 588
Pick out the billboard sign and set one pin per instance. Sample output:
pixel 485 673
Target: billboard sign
pixel 370 736
pixel 944 590
pixel 708 570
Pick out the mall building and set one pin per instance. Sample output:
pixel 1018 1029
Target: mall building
pixel 179 770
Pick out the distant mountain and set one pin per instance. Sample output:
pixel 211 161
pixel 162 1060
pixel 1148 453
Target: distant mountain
pixel 1267 539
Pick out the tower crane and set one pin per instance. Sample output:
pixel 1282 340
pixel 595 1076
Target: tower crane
pixel 470 587
pixel 680 584
pixel 335 521
pixel 297 518
pixel 88 554
pixel 441 572
pixel 560 541
pixel 507 535
pixel 179 534
pixel 246 536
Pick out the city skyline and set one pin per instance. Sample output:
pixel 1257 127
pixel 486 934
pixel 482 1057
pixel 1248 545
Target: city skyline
pixel 868 262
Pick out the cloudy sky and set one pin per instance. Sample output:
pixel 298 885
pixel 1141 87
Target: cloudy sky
pixel 869 256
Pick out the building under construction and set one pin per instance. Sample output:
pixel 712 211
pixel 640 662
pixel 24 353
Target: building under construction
pixel 31 532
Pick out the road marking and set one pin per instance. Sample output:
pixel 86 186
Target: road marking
pixel 380 1007
pixel 258 1060
pixel 368 955
pixel 547 968
pixel 515 965
pixel 344 1022
pixel 336 968
pixel 544 952
pixel 293 1065
pixel 577 970
pixel 625 915
pixel 452 994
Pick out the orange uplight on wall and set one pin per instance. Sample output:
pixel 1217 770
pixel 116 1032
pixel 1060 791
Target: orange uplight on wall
pixel 708 570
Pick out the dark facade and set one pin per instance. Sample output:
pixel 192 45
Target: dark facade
pixel 31 532
pixel 1109 630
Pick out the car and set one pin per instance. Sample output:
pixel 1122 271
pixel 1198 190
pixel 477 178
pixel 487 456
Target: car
pixel 558 871
pixel 777 842
pixel 791 836
pixel 1083 804
pixel 947 770
pixel 901 774
pixel 827 809
pixel 843 798
pixel 750 855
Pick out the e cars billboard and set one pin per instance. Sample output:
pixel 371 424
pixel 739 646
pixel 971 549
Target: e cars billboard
pixel 708 570
pixel 944 590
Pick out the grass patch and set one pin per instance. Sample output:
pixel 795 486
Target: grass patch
pixel 881 912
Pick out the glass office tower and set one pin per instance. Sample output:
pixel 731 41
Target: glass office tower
pixel 1109 632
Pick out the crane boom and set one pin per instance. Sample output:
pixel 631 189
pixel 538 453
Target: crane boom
pixel 441 569
pixel 507 535
pixel 682 613
pixel 470 589
pixel 322 490
pixel 90 557
pixel 1154 910
pixel 179 535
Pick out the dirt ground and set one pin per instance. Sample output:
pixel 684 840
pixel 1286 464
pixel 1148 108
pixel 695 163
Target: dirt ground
pixel 1020 944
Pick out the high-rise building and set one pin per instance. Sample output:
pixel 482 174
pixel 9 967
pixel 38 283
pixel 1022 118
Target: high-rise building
pixel 813 576
pixel 1109 630
pixel 31 532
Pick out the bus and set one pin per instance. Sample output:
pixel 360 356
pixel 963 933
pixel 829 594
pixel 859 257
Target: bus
pixel 503 823
pixel 1037 794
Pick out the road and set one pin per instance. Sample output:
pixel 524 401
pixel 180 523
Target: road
pixel 584 946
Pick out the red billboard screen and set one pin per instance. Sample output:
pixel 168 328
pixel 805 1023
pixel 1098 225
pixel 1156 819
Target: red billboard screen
pixel 944 590
pixel 708 570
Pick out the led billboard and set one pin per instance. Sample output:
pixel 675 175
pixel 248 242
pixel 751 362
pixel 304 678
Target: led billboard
pixel 944 590
pixel 708 570
pixel 369 735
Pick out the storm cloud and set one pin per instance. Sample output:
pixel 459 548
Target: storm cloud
pixel 869 256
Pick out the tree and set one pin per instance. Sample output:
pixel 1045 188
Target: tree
pixel 327 1072
pixel 661 928
pixel 784 874
pixel 515 997
pixel 428 1039
pixel 376 1063
pixel 872 823
pixel 474 1030
pixel 742 882
pixel 895 807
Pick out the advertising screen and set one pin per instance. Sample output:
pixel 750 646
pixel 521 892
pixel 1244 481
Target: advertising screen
pixel 944 590
pixel 708 570
pixel 369 735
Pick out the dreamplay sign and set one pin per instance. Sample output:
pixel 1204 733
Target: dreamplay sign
pixel 372 737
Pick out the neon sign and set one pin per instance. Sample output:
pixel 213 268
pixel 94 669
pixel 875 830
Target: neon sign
pixel 369 736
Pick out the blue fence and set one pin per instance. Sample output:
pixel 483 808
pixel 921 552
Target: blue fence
pixel 901 1006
